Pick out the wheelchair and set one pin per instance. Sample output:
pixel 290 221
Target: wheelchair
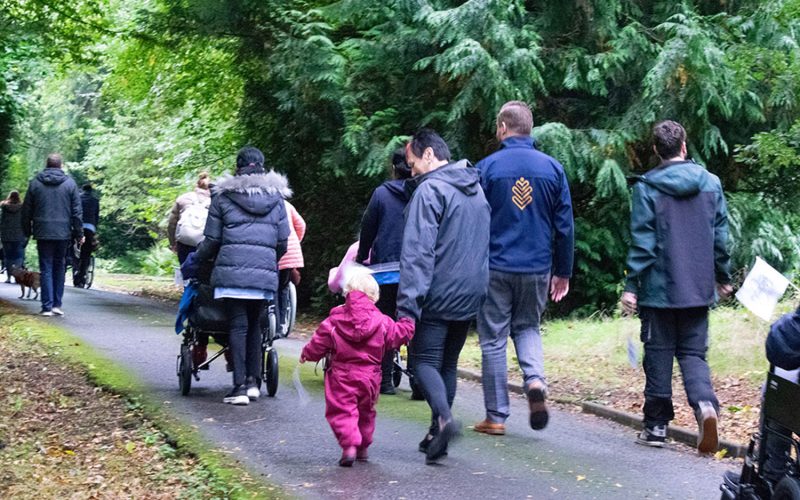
pixel 207 318
pixel 780 423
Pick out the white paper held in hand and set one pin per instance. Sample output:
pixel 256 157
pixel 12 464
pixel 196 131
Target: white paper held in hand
pixel 762 288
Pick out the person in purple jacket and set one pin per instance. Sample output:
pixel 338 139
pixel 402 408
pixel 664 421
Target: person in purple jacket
pixel 531 249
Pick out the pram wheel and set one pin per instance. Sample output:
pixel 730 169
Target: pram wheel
pixel 185 369
pixel 270 374
pixel 397 373
pixel 788 489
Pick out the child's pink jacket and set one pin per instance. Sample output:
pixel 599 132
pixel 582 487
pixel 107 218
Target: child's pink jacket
pixel 356 334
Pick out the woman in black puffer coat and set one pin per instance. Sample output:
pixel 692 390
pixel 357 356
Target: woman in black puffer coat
pixel 245 236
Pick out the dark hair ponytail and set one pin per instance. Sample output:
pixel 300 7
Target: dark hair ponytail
pixel 399 165
pixel 250 160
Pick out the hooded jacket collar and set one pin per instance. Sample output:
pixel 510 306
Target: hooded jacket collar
pixel 257 194
pixel 269 183
pixel 679 178
pixel 461 175
pixel 358 320
pixel 52 176
pixel 397 187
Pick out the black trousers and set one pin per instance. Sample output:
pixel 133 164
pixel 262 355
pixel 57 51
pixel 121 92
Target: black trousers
pixel 387 304
pixel 244 316
pixel 79 270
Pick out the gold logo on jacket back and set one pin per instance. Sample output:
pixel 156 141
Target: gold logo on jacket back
pixel 522 193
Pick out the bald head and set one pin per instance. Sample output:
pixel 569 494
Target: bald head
pixel 54 160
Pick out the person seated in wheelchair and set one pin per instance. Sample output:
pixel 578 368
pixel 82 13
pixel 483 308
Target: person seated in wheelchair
pixel 206 315
pixel 783 352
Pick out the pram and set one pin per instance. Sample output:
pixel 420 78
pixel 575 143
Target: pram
pixel 779 410
pixel 202 316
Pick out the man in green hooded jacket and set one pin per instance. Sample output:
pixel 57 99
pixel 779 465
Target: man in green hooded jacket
pixel 678 265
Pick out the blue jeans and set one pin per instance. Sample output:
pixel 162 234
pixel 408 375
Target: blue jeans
pixel 513 306
pixel 13 254
pixel 435 350
pixel 669 334
pixel 52 266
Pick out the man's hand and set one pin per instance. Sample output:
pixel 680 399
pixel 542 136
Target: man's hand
pixel 629 302
pixel 174 248
pixel 724 291
pixel 558 288
pixel 302 359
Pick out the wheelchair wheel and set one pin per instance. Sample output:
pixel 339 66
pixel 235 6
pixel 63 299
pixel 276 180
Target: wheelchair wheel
pixel 291 309
pixel 185 369
pixel 788 489
pixel 397 375
pixel 270 373
pixel 90 273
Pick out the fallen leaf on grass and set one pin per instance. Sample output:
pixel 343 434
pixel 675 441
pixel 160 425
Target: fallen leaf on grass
pixel 580 478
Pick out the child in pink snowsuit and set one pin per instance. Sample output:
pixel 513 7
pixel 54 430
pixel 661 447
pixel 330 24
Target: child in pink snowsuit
pixel 356 335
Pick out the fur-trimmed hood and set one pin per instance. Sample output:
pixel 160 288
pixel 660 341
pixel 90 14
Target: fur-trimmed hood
pixel 257 194
pixel 270 183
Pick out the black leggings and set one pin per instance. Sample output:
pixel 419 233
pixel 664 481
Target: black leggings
pixel 244 316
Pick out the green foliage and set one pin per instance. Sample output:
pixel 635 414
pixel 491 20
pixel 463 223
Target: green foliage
pixel 328 89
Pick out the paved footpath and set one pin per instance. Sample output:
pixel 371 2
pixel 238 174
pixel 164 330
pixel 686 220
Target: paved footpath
pixel 291 445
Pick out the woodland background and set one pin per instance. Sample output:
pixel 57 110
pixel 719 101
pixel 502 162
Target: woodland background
pixel 141 95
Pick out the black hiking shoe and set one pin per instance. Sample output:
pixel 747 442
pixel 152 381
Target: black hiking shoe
pixel 653 436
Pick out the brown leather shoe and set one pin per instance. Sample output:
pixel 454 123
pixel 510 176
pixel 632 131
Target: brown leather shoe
pixel 488 427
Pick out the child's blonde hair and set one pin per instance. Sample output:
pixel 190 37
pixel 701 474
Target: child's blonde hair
pixel 359 278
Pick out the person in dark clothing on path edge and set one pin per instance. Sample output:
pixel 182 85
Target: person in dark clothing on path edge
pixel 783 351
pixel 532 235
pixel 51 213
pixel 90 207
pixel 245 235
pixel 679 251
pixel 11 234
pixel 380 241
pixel 444 272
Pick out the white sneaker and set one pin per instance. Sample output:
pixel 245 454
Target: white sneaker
pixel 253 393
pixel 47 313
pixel 57 311
pixel 237 396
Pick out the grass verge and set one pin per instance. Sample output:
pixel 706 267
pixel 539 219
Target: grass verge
pixel 108 439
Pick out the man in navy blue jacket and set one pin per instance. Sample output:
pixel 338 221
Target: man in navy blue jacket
pixel 531 250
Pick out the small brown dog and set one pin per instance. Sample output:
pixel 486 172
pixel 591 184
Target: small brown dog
pixel 26 279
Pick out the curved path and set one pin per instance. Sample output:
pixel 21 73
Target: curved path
pixel 289 443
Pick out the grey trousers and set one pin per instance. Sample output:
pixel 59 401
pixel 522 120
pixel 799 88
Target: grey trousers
pixel 513 306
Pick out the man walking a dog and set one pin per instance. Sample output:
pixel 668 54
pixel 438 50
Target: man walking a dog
pixel 678 259
pixel 52 214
